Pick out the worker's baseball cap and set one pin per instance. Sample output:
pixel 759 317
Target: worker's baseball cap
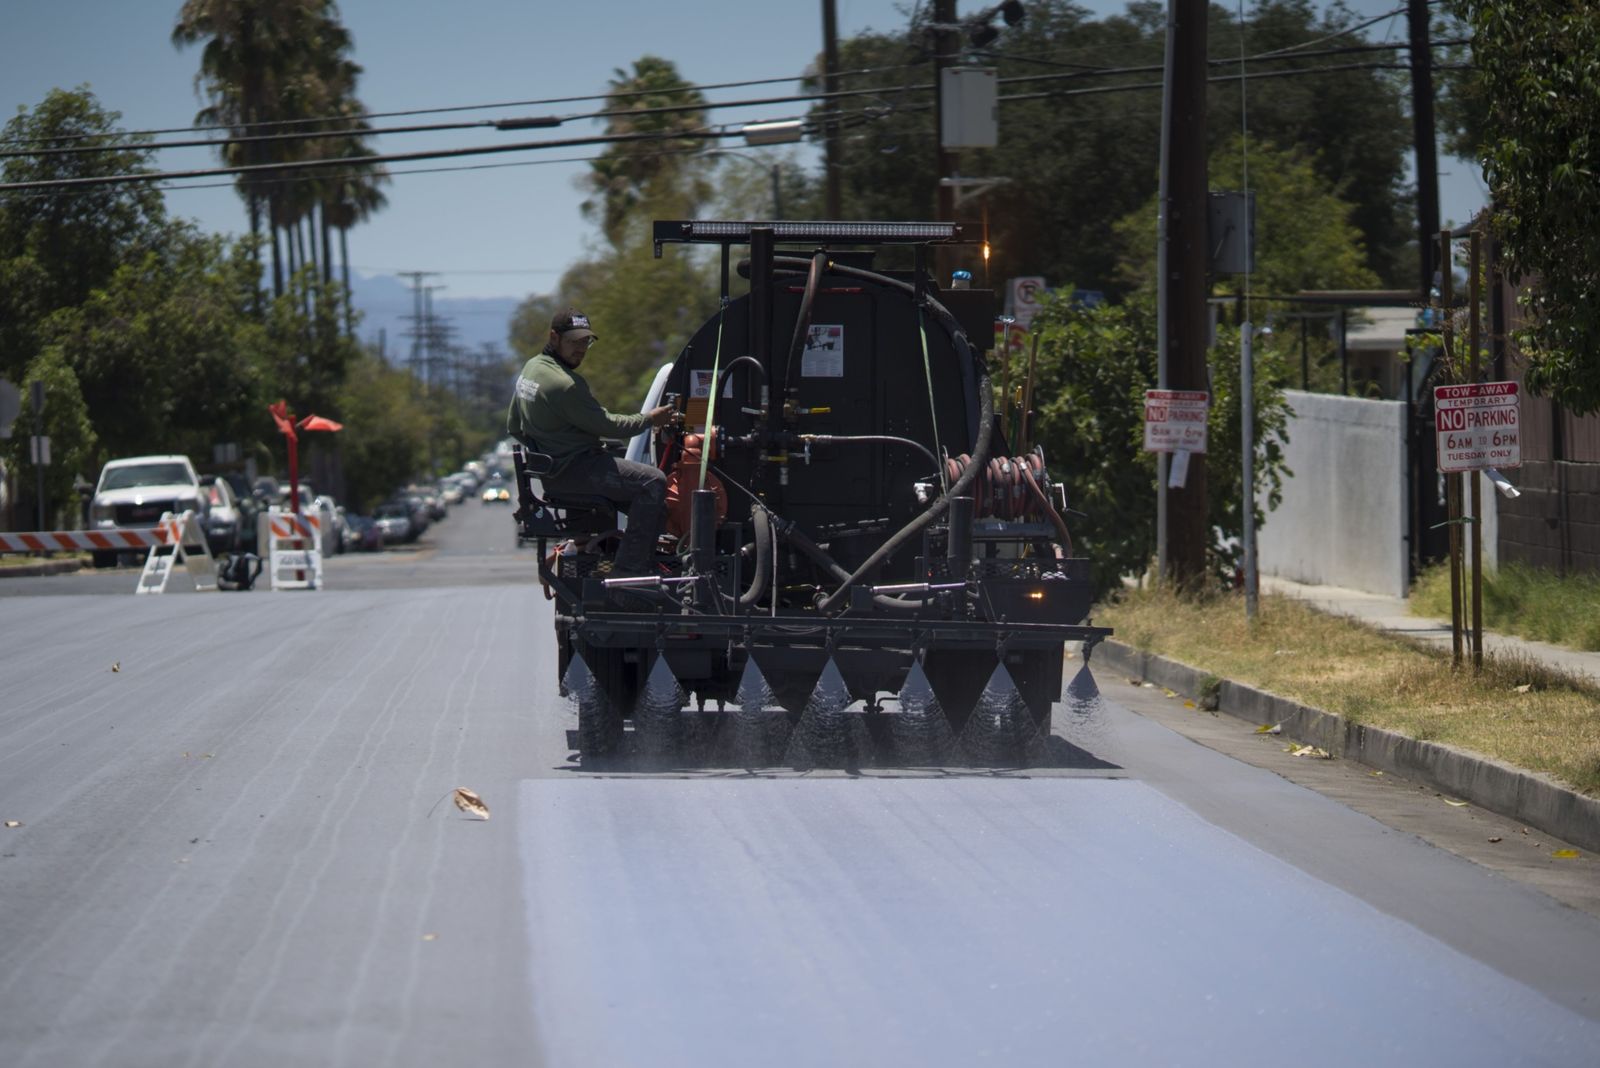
pixel 572 322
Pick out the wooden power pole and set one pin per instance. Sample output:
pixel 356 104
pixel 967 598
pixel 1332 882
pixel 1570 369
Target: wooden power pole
pixel 1188 326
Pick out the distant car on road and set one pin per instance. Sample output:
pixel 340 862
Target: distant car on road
pixel 133 493
pixel 496 491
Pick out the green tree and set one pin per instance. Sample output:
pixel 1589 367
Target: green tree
pixel 1539 62
pixel 629 173
pixel 1095 364
pixel 57 246
pixel 165 352
pixel 1080 143
pixel 284 61
pixel 72 442
pixel 386 430
pixel 1305 234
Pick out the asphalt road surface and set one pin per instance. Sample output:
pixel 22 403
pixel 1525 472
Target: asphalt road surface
pixel 235 847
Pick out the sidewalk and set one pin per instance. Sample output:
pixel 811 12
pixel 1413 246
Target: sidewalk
pixel 1392 614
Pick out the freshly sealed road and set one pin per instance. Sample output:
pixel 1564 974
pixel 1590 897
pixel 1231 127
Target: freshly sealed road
pixel 232 851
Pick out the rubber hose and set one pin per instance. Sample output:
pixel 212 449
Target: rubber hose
pixel 751 360
pixel 1050 510
pixel 802 323
pixel 758 583
pixel 980 455
pixel 885 439
pixel 940 312
pixel 802 541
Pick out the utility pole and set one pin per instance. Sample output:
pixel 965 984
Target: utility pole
pixel 1188 529
pixel 830 128
pixel 416 331
pixel 945 43
pixel 1422 134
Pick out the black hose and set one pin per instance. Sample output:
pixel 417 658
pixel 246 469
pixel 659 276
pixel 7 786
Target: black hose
pixel 940 312
pixel 751 360
pixel 802 322
pixel 980 455
pixel 838 439
pixel 802 541
pixel 758 584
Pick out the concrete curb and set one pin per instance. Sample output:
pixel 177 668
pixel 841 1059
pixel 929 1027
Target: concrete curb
pixel 49 567
pixel 1525 796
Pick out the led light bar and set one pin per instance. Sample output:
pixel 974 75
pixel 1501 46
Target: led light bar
pixel 848 233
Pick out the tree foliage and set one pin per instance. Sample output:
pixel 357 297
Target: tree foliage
pixel 1306 237
pixel 1079 144
pixel 628 173
pixel 58 246
pixel 1095 364
pixel 1539 61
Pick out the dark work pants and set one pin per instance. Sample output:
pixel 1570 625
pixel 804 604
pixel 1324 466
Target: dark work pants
pixel 638 489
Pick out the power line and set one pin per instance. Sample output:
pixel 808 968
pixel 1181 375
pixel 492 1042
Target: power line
pixel 616 95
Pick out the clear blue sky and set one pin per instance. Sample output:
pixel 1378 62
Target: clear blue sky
pixel 505 231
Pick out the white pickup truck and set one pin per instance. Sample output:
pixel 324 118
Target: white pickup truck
pixel 133 493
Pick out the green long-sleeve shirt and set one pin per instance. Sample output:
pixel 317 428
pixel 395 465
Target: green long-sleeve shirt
pixel 553 406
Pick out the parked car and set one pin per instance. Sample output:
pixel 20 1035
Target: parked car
pixel 133 493
pixel 394 521
pixel 224 520
pixel 364 534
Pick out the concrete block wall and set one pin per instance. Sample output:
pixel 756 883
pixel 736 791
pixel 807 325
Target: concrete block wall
pixel 1342 520
pixel 1555 524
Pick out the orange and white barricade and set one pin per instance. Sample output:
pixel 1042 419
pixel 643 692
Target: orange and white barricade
pixel 179 540
pixel 294 550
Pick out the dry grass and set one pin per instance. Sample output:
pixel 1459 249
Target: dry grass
pixel 1529 603
pixel 1517 711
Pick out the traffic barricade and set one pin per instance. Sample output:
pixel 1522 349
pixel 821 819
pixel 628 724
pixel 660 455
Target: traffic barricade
pixel 181 541
pixel 174 540
pixel 294 550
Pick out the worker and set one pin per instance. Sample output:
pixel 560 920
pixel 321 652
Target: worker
pixel 554 412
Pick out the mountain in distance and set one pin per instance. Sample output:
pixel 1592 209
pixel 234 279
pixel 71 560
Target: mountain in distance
pixel 386 305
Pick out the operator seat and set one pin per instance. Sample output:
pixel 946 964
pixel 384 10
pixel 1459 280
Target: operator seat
pixel 554 515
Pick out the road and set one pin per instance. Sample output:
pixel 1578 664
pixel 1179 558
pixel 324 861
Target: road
pixel 236 848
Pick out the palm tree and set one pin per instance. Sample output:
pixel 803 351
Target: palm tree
pixel 271 62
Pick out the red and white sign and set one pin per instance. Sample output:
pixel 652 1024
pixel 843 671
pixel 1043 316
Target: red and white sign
pixel 1026 296
pixel 1478 426
pixel 1175 420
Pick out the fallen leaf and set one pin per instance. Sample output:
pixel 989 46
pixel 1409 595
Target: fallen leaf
pixel 1276 728
pixel 1496 838
pixel 116 667
pixel 1169 693
pixel 471 803
pixel 1376 774
pixel 1147 685
pixel 429 937
pixel 13 823
pixel 1188 704
pixel 1310 751
pixel 1524 688
pixel 1455 804
pixel 1566 854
